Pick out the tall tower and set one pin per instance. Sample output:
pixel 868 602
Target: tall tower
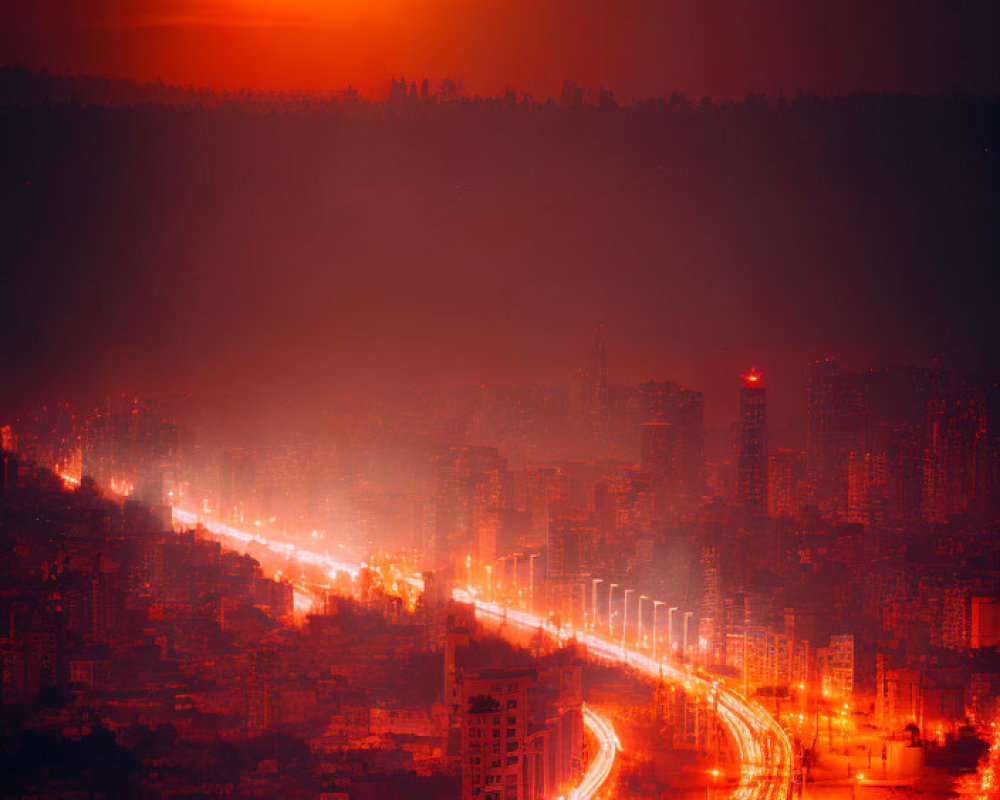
pixel 673 436
pixel 602 390
pixel 751 456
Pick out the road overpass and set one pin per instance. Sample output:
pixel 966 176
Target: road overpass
pixel 766 755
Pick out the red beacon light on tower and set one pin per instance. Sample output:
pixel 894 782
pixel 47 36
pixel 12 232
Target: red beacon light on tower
pixel 753 378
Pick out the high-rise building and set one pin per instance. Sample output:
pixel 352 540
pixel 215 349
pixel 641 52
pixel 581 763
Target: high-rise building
pixel 567 543
pixel 470 494
pixel 836 402
pixel 837 665
pixel 953 463
pixel 673 441
pixel 548 491
pixel 866 488
pixel 711 605
pixel 786 476
pixel 590 392
pixel 522 732
pixel 602 389
pixel 751 456
pixel 955 613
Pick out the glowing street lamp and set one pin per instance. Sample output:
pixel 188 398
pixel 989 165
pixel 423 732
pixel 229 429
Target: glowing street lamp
pixel 625 615
pixel 593 600
pixel 670 628
pixel 639 641
pixel 531 579
pixel 656 630
pixel 611 597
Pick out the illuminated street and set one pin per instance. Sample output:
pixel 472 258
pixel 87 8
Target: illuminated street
pixel 764 747
pixel 765 750
pixel 601 729
pixel 500 401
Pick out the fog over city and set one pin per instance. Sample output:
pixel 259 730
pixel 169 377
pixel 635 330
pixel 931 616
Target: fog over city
pixel 564 401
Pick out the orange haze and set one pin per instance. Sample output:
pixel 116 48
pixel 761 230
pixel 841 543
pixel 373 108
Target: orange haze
pixel 636 47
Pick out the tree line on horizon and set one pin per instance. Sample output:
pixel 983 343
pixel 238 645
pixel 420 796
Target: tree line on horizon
pixel 22 85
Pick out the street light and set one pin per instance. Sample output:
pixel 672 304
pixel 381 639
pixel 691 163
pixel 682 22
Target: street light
pixel 625 615
pixel 670 629
pixel 517 587
pixel 531 579
pixel 504 572
pixel 687 616
pixel 611 595
pixel 593 600
pixel 656 631
pixel 638 638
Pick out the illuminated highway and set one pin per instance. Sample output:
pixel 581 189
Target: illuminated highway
pixel 766 756
pixel 287 550
pixel 600 729
pixel 765 750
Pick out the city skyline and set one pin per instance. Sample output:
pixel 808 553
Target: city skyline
pixel 379 272
pixel 492 400
pixel 722 50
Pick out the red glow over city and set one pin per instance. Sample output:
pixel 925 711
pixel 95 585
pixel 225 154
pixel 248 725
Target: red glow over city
pixel 378 419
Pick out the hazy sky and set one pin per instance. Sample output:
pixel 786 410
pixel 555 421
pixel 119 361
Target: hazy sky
pixel 301 254
pixel 636 47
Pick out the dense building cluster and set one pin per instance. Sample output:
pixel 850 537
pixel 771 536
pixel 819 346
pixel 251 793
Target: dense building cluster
pixel 860 567
pixel 174 668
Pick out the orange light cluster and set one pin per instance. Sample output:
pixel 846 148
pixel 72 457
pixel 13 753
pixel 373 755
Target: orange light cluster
pixel 69 481
pixel 122 487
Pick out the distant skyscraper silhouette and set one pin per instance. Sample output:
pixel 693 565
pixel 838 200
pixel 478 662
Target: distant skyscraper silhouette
pixel 673 436
pixel 602 390
pixel 751 457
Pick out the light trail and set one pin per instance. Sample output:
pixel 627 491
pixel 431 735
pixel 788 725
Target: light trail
pixel 69 481
pixel 289 551
pixel 601 729
pixel 766 756
pixel 608 745
pixel 764 747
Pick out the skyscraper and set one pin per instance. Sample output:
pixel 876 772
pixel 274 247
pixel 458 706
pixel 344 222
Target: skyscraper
pixel 521 732
pixel 836 404
pixel 601 385
pixel 751 456
pixel 673 437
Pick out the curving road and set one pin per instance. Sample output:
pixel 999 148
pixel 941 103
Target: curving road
pixel 608 745
pixel 765 750
pixel 766 755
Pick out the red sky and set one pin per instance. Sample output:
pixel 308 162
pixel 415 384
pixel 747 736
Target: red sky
pixel 639 48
